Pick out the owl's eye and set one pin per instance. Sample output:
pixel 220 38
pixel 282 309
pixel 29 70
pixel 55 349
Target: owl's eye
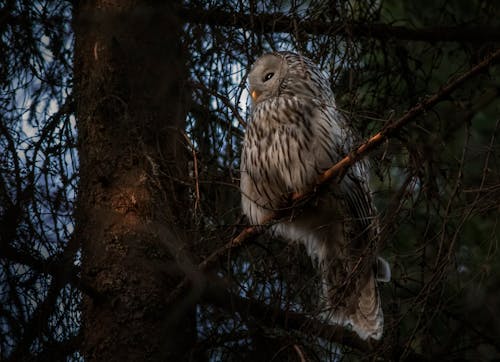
pixel 268 76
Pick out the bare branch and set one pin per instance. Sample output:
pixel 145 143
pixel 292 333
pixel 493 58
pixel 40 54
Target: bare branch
pixel 60 268
pixel 278 22
pixel 273 316
pixel 340 168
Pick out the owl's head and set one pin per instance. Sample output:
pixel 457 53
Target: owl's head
pixel 266 76
pixel 287 73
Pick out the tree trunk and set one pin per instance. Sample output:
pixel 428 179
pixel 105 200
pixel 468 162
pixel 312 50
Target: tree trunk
pixel 132 210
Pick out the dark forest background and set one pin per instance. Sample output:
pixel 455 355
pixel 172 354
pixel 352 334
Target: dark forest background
pixel 121 124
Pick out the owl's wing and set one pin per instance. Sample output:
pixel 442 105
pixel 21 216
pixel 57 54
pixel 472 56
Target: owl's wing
pixel 357 196
pixel 358 199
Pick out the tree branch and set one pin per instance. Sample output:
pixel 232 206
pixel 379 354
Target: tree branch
pixel 389 130
pixel 279 22
pixel 64 271
pixel 271 316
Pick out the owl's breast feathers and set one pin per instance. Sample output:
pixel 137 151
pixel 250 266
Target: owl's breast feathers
pixel 288 143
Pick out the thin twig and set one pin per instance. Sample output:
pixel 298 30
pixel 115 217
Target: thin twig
pixel 195 172
pixel 300 353
pixel 273 316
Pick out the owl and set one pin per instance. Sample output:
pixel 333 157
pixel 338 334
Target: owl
pixel 295 132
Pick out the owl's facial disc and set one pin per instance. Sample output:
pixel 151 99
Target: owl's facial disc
pixel 265 77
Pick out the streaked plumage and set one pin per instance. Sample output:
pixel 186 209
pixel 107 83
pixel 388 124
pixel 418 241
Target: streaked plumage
pixel 295 133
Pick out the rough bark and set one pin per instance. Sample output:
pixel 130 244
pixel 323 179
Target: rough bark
pixel 132 209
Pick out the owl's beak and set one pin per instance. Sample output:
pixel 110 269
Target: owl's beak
pixel 255 94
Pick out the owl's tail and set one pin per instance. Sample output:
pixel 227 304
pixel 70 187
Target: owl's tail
pixel 363 310
pixel 367 320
